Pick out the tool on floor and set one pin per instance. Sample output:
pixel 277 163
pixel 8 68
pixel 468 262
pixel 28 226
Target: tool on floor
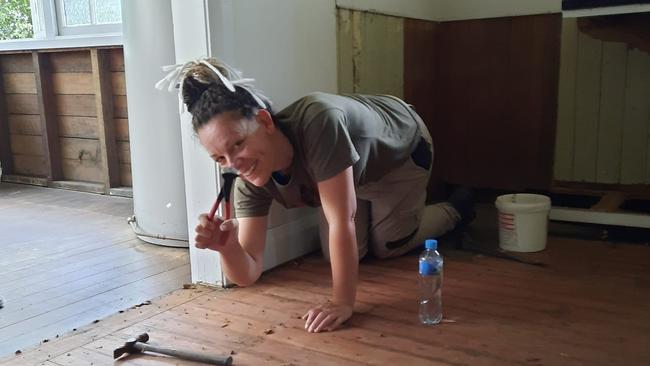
pixel 224 195
pixel 139 345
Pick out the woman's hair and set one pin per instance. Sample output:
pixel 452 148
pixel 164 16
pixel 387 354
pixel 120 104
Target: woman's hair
pixel 205 95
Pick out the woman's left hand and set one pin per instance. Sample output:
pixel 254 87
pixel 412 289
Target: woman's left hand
pixel 326 317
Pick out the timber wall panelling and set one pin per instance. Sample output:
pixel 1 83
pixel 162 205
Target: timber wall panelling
pixel 63 116
pixel 603 127
pixel 486 88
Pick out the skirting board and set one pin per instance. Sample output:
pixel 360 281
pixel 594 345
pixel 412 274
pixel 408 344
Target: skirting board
pixel 598 217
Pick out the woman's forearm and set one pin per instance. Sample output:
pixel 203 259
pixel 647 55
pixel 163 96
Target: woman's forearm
pixel 239 266
pixel 344 261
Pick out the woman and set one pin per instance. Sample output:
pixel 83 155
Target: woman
pixel 364 159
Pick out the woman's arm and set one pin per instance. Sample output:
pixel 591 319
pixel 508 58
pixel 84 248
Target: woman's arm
pixel 240 242
pixel 338 198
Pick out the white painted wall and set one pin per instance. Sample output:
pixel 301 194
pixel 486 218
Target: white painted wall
pixel 479 9
pixel 445 10
pixel 289 47
pixel 418 9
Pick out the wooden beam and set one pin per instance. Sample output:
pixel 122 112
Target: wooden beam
pixel 6 159
pixel 598 217
pixel 610 202
pixel 104 102
pixel 47 111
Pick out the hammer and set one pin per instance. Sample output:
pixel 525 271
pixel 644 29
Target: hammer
pixel 139 345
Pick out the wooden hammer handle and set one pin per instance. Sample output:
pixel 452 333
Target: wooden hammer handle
pixel 186 355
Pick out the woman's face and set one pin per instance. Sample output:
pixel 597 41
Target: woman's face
pixel 242 144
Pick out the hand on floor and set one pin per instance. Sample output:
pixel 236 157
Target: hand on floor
pixel 326 317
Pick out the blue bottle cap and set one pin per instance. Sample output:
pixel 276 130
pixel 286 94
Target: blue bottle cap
pixel 431 244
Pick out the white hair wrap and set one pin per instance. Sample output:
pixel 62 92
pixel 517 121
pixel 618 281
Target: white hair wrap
pixel 177 73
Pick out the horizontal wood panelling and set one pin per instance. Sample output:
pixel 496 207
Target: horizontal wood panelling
pixel 118 83
pixel 66 76
pixel 24 124
pixel 19 82
pixel 120 108
pixel 116 59
pixel 72 83
pixel 76 61
pixel 83 127
pixel 26 145
pixel 82 170
pixel 21 62
pixel 76 105
pixel 80 149
pixel 22 103
pixel 125 175
pixel 121 129
pixel 30 165
pixel 123 153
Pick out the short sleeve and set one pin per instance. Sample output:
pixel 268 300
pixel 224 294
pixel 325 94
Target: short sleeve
pixel 328 147
pixel 251 201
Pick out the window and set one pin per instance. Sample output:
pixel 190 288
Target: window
pixel 88 16
pixel 15 19
pixel 28 24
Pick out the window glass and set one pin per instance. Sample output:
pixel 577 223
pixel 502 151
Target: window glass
pixel 77 12
pixel 108 11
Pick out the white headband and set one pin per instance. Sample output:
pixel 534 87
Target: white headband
pixel 175 77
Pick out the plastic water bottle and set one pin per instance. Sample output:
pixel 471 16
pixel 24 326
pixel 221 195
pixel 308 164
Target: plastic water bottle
pixel 430 283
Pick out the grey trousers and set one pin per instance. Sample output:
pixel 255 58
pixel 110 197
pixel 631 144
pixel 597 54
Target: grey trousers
pixel 391 217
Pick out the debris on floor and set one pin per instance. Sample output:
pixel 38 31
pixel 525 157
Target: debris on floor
pixel 188 286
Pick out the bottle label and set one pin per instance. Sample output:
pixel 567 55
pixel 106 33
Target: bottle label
pixel 428 269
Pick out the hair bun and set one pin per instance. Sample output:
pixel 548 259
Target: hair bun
pixel 192 90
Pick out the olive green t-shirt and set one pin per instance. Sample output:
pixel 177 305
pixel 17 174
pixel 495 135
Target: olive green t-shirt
pixel 329 133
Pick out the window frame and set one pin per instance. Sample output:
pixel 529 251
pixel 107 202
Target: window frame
pixel 47 34
pixel 86 29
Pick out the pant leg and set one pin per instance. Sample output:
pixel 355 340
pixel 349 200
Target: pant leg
pixel 361 221
pixel 400 221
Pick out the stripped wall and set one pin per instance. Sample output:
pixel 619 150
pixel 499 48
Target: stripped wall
pixel 64 92
pixel 370 53
pixel 603 126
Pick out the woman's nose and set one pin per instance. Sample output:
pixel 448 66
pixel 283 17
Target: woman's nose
pixel 233 162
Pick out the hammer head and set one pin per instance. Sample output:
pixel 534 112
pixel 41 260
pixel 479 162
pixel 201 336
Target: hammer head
pixel 128 346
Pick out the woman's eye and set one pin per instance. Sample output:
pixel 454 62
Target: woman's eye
pixel 239 144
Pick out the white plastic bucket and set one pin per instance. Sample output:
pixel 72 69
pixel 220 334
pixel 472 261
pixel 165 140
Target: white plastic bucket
pixel 523 221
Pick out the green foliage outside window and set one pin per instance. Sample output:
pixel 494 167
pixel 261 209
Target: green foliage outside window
pixel 15 19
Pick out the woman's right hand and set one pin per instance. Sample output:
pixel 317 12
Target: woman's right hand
pixel 216 234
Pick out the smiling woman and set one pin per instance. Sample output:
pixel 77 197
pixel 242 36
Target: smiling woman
pixel 363 159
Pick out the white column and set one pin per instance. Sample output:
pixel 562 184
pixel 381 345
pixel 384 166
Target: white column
pixel 202 186
pixel 154 129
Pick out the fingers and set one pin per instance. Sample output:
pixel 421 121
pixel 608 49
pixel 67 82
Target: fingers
pixel 325 323
pixel 207 232
pixel 326 317
pixel 319 319
pixel 229 225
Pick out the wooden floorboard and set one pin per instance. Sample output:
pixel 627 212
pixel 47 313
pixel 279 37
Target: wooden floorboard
pixel 588 306
pixel 69 259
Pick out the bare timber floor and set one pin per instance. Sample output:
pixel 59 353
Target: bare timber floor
pixel 68 259
pixel 589 306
